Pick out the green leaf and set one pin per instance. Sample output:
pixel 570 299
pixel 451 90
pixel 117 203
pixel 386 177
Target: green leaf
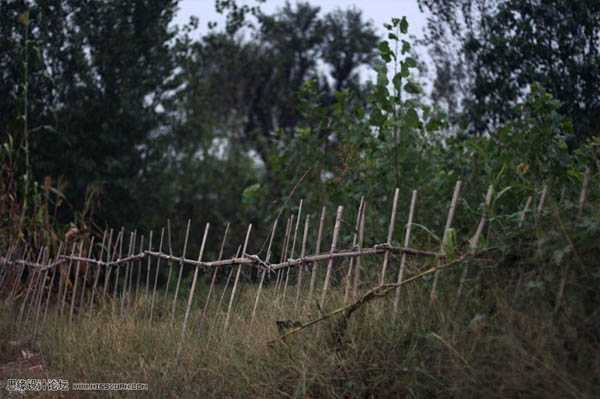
pixel 250 194
pixel 405 47
pixel 412 118
pixel 404 25
pixel 411 62
pixel 412 88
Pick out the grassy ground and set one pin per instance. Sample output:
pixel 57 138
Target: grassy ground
pixel 490 343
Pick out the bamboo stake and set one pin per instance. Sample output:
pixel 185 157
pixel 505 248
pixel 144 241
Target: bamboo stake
pixel 17 281
pixel 584 191
pixel 542 200
pixel 288 232
pixel 302 254
pixel 111 254
pixel 139 271
pixel 567 269
pixel 170 253
pixel 336 232
pixel 361 236
pixel 162 234
pixel 148 265
pixel 264 272
pixel 119 256
pixel 192 290
pixel 116 287
pixel 126 281
pixel 40 294
pixel 85 275
pixel 31 279
pixel 215 272
pixel 75 284
pixel 237 279
pixel 287 276
pixel 314 269
pixel 220 304
pixel 451 212
pixel 54 271
pixel 411 213
pixel 98 268
pixel 525 210
pixel 354 243
pixel 474 242
pixel 67 280
pixel 187 235
pixel 392 224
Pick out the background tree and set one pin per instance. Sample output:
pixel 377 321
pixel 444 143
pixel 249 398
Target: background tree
pixel 505 46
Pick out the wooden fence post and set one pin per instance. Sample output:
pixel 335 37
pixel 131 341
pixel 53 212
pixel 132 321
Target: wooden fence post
pixel 215 272
pixel 302 266
pixel 354 244
pixel 237 279
pixel 74 292
pixel 411 213
pixel 264 272
pixel 192 290
pixel 474 242
pixel 106 246
pixel 314 268
pixel 361 236
pixel 386 256
pixel 336 232
pixel 160 245
pixel 451 212
pixel 187 236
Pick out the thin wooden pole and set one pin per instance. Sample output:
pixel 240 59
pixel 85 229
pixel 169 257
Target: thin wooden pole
pixel 192 290
pixel 264 272
pixel 74 292
pixel 31 277
pixel 170 253
pixel 336 232
pixel 67 280
pixel 115 300
pixel 215 272
pixel 118 271
pixel 287 278
pixel 105 245
pixel 302 254
pixel 284 253
pixel 54 272
pixel 525 210
pixel 361 236
pixel 160 245
pixel 386 256
pixel 584 192
pixel 451 212
pixel 112 251
pixel 407 234
pixel 567 269
pixel 474 242
pixel 187 235
pixel 315 265
pixel 237 279
pixel 126 283
pixel 148 266
pixel 85 275
pixel 40 294
pixel 540 207
pixel 354 244
pixel 139 271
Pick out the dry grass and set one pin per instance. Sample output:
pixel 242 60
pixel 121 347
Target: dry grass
pixel 482 346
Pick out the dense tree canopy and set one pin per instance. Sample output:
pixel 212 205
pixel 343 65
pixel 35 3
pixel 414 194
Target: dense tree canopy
pixel 502 47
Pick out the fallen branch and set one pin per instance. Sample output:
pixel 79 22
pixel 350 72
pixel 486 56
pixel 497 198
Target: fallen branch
pixel 377 292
